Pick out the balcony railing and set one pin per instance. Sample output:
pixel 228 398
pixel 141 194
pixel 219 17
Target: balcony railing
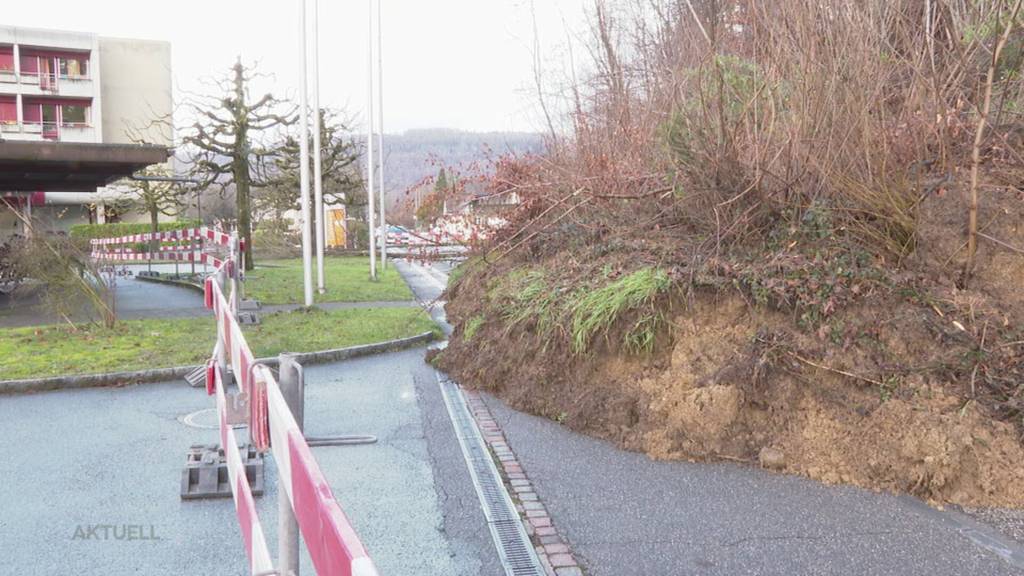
pixel 70 131
pixel 49 82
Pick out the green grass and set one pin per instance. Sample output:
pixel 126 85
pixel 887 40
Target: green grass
pixel 347 279
pixel 598 309
pixel 39 352
pixel 472 326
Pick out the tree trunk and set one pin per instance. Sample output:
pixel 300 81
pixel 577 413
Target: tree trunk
pixel 240 167
pixel 154 227
pixel 972 215
pixel 242 202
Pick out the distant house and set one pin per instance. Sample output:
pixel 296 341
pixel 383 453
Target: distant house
pixel 475 212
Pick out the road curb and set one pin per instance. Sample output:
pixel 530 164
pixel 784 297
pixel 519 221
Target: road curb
pixel 182 283
pixel 31 385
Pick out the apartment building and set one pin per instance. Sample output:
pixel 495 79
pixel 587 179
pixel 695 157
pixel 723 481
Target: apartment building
pixel 78 87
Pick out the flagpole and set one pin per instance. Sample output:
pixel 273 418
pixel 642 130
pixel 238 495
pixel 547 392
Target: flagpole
pixel 307 256
pixel 371 216
pixel 318 186
pixel 380 150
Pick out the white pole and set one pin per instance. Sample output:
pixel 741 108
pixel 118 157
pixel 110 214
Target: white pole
pixel 380 149
pixel 318 186
pixel 371 218
pixel 307 251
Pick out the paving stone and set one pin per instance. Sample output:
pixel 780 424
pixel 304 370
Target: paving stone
pixel 558 548
pixel 561 560
pixel 540 522
pixel 569 571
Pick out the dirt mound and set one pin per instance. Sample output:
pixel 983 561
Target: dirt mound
pixel 740 382
pixel 925 441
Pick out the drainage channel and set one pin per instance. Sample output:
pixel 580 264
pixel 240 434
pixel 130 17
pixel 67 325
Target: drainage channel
pixel 513 544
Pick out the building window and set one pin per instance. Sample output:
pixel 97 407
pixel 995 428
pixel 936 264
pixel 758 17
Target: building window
pixel 74 115
pixel 77 67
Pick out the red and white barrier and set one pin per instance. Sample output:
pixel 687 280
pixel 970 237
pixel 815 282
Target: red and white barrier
pixel 333 544
pixel 245 507
pixel 197 257
pixel 203 233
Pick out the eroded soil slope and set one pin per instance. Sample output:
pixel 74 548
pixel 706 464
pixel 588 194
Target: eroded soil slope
pixel 908 384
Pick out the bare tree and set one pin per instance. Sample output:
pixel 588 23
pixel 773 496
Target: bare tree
pixel 342 179
pixel 228 144
pixel 155 197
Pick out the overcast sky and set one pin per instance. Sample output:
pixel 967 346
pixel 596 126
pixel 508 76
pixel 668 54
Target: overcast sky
pixel 464 64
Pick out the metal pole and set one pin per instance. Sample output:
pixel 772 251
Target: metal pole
pixel 307 248
pixel 318 187
pixel 371 220
pixel 380 149
pixel 293 389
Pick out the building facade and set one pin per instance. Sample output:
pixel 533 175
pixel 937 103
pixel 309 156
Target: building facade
pixel 79 88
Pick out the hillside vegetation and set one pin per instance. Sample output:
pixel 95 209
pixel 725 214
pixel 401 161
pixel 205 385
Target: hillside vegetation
pixel 788 233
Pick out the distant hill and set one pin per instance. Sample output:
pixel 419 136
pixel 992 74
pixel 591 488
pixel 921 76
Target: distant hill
pixel 415 154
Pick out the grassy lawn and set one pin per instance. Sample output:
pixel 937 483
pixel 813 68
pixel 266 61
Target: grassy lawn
pixel 347 279
pixel 43 351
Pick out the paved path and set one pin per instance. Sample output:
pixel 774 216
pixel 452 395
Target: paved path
pixel 625 514
pixel 114 456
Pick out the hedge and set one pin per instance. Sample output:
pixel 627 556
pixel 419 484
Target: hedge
pixel 90 231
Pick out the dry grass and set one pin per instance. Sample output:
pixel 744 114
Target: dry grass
pixel 717 120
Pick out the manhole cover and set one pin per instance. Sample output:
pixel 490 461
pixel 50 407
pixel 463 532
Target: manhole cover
pixel 205 419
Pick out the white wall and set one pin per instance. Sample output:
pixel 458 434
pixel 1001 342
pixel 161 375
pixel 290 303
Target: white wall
pixel 135 85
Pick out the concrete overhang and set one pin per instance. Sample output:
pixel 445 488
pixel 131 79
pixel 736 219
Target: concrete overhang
pixel 71 166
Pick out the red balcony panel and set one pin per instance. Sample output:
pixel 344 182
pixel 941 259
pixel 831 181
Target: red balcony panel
pixel 6 59
pixel 8 110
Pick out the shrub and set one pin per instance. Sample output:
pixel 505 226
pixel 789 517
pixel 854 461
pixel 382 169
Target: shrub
pixel 91 231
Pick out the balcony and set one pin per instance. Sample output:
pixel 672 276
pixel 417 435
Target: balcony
pixel 36 84
pixel 38 131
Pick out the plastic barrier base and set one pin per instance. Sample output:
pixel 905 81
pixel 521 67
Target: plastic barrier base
pixel 205 474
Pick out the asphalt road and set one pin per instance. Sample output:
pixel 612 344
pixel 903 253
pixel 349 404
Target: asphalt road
pixel 114 457
pixel 134 299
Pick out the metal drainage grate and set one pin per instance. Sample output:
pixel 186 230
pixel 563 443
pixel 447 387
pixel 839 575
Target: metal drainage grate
pixel 514 546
